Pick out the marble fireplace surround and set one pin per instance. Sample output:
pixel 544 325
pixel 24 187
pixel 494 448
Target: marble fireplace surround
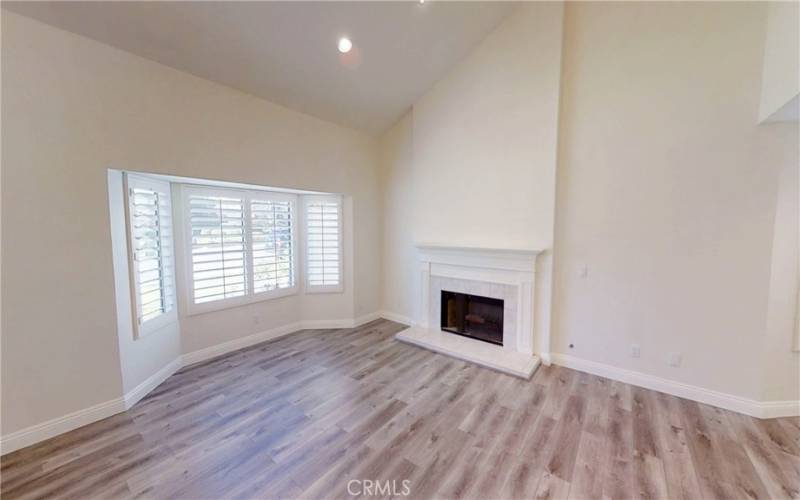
pixel 497 273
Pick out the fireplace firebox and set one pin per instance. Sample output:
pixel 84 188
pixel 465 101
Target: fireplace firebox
pixel 473 316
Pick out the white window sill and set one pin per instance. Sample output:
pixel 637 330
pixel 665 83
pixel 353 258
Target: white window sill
pixel 311 289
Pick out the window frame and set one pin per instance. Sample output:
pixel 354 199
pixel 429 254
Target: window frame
pixel 307 286
pixel 247 196
pixel 143 329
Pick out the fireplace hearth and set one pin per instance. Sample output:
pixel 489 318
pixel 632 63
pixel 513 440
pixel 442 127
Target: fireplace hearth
pixel 473 316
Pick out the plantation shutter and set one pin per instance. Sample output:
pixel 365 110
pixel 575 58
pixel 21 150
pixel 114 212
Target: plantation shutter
pixel 271 240
pixel 324 241
pixel 218 243
pixel 151 233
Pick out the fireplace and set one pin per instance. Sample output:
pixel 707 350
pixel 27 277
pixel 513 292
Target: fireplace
pixel 472 316
pixel 501 279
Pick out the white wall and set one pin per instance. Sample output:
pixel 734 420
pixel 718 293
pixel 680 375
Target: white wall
pixel 781 67
pixel 485 139
pixel 666 194
pixel 72 108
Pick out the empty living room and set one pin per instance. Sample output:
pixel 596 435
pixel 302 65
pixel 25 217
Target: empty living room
pixel 419 249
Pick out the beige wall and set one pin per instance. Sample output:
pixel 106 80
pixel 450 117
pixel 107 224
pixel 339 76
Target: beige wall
pixel 780 81
pixel 666 193
pixel 400 277
pixel 485 139
pixel 782 365
pixel 72 108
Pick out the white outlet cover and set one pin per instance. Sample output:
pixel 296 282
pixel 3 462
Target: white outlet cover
pixel 636 351
pixel 675 359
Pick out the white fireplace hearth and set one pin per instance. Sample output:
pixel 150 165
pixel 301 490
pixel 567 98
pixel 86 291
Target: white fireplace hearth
pixel 495 273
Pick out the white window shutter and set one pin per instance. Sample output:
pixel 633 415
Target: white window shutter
pixel 323 222
pixel 218 246
pixel 271 229
pixel 151 248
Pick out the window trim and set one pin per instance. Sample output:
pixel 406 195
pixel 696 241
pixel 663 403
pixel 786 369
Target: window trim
pixel 247 196
pixel 150 326
pixel 308 287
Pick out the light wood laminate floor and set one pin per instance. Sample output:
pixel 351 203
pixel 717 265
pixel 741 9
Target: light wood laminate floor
pixel 303 415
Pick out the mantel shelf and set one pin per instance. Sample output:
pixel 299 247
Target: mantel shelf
pixel 433 247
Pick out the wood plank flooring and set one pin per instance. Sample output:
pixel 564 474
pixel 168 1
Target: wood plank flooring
pixel 301 416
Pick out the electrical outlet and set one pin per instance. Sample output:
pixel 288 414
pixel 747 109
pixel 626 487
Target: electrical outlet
pixel 256 320
pixel 674 359
pixel 636 351
pixel 584 271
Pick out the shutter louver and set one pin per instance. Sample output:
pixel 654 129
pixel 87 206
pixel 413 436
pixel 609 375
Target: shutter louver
pixel 218 247
pixel 271 240
pixel 323 241
pixel 151 232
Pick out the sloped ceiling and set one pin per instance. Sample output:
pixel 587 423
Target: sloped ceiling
pixel 285 52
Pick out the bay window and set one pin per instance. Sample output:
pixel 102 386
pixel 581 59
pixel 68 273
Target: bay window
pixel 240 246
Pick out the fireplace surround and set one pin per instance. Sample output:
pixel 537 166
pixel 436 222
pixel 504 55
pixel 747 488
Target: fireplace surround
pixel 506 275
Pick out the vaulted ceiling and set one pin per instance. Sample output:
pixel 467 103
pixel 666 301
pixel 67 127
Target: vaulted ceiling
pixel 286 52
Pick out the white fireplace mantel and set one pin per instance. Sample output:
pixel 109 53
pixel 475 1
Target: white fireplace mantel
pixel 506 274
pixel 521 260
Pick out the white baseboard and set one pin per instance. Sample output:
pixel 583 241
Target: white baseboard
pixel 327 324
pixel 366 318
pixel 775 409
pixel 397 318
pixel 137 393
pixel 51 428
pixel 758 409
pixel 236 344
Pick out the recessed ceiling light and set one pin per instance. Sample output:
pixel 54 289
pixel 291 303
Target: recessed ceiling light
pixel 345 45
pixel 421 1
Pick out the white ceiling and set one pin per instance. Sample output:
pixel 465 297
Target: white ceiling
pixel 286 52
